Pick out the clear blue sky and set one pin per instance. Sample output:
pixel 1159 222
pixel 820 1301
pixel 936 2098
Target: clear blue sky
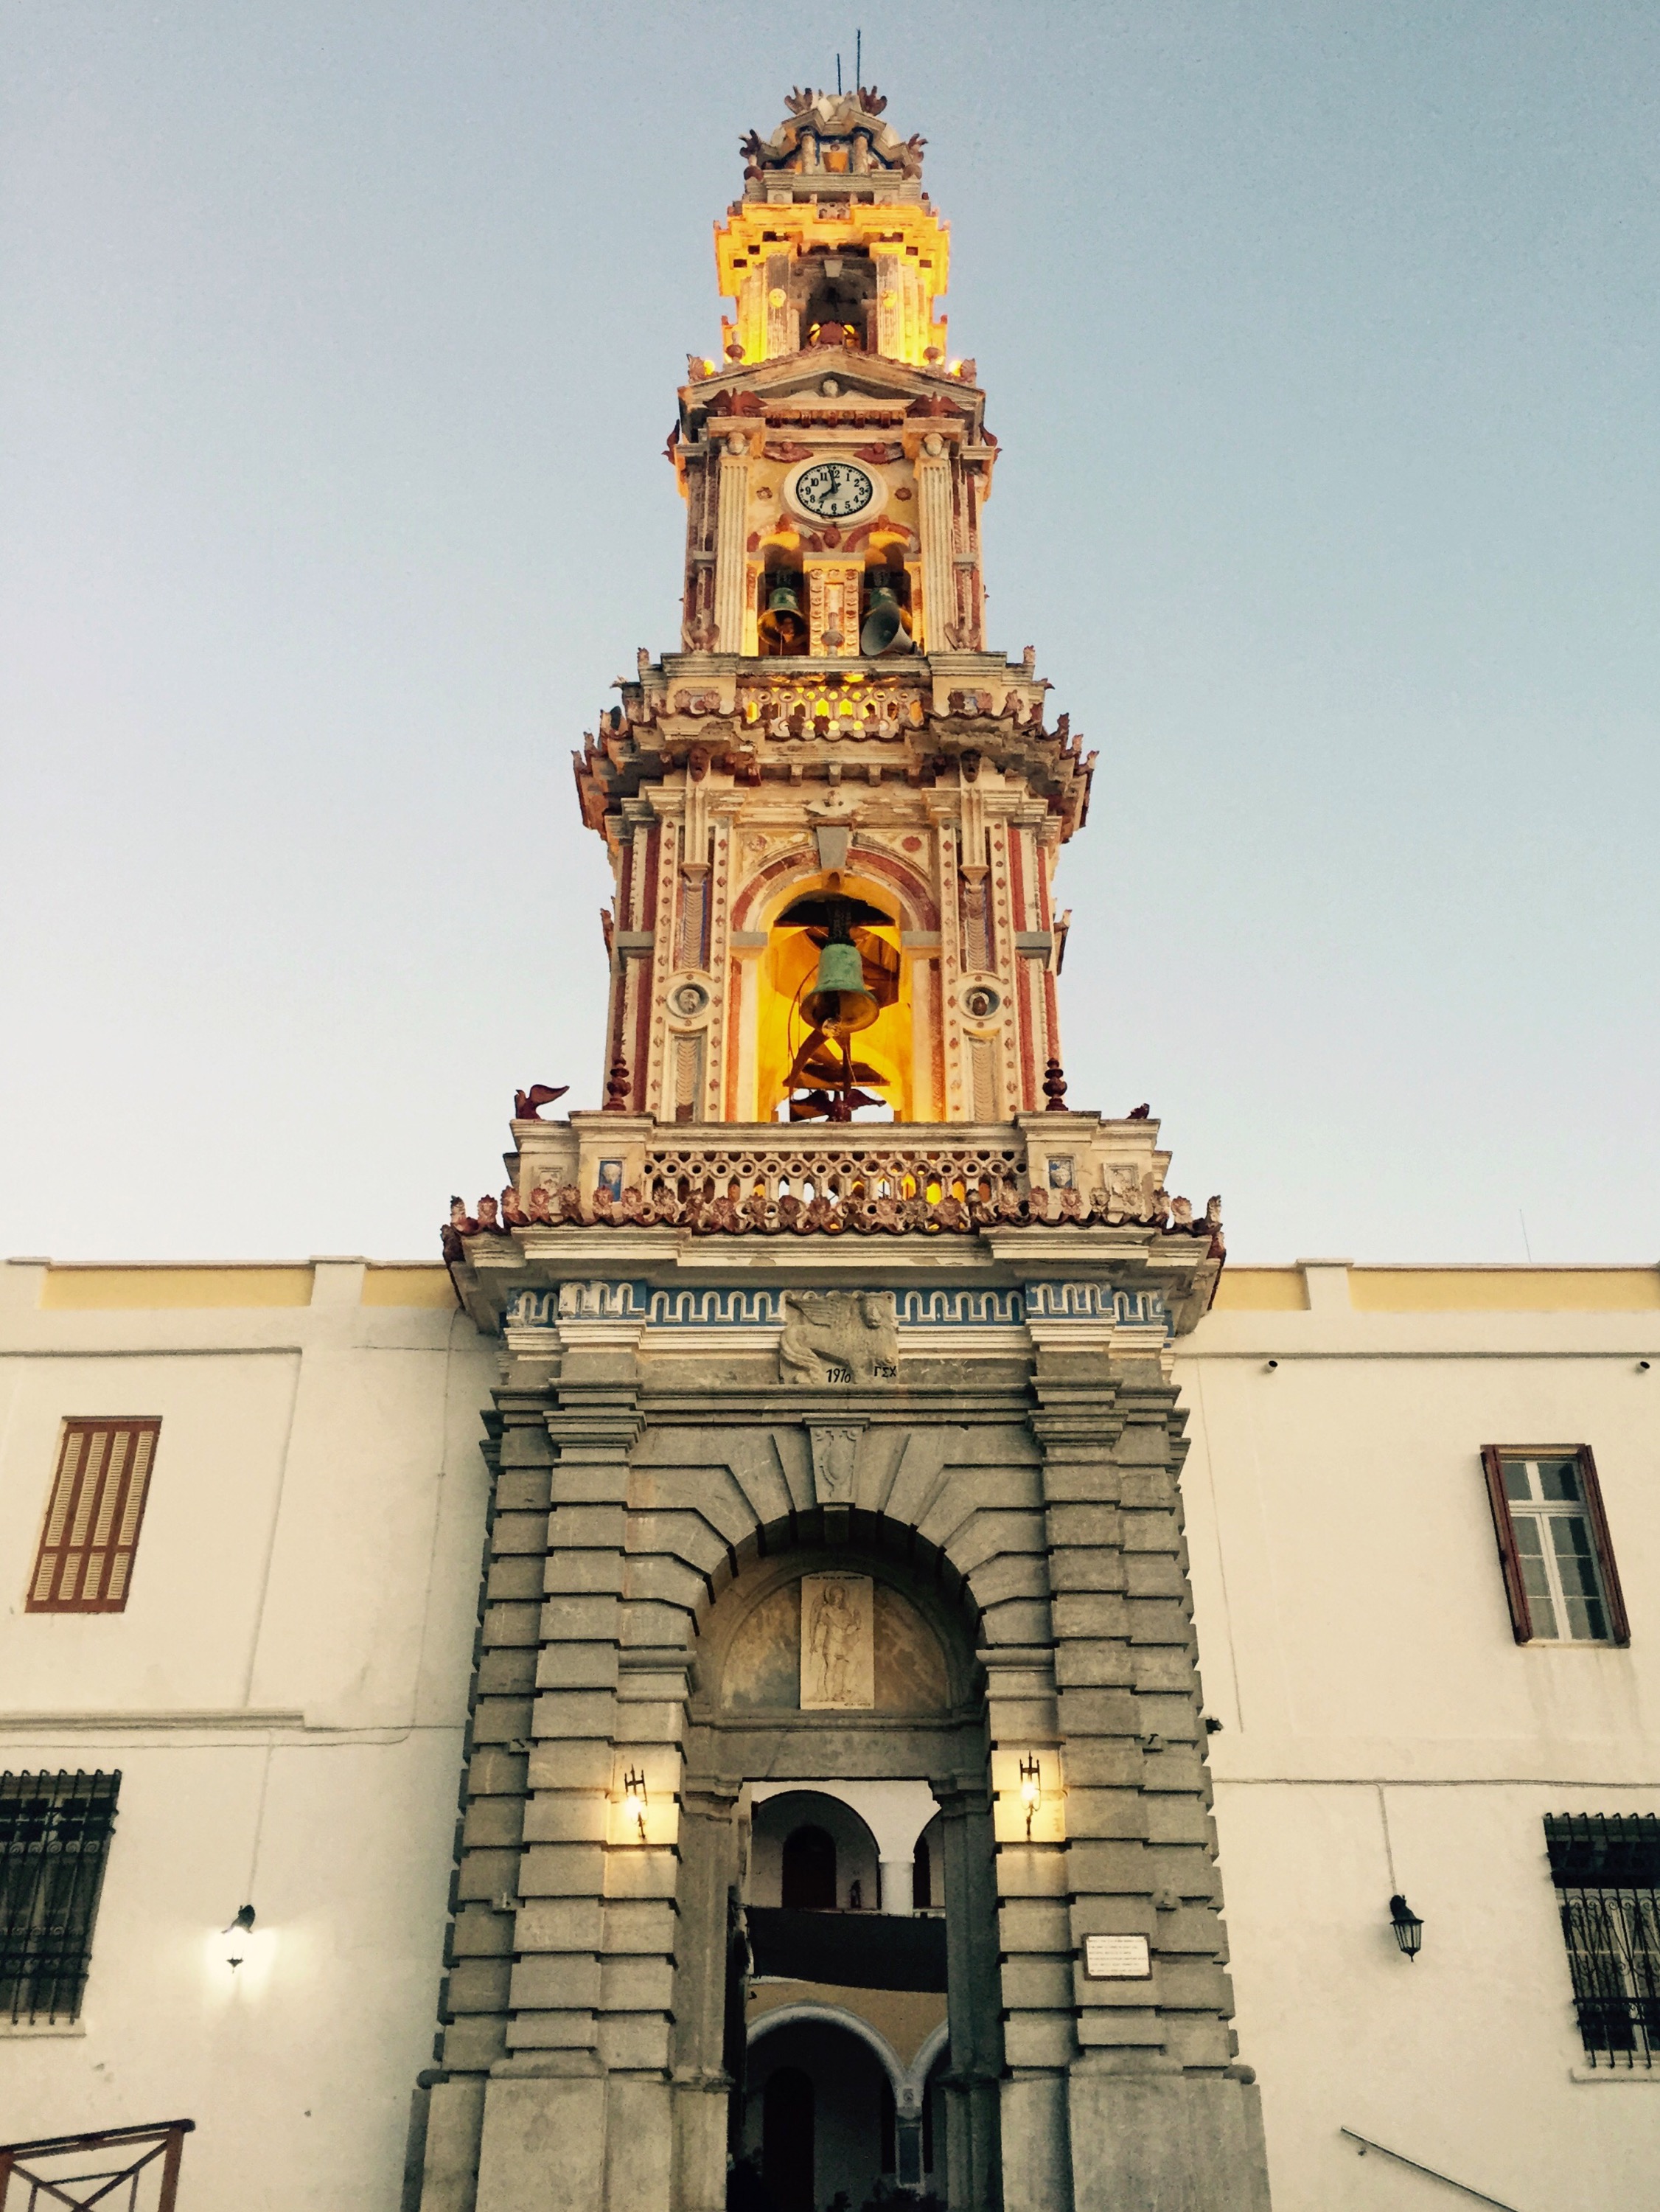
pixel 338 348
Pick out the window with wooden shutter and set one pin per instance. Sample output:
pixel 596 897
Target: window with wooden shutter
pixel 84 1563
pixel 1554 1547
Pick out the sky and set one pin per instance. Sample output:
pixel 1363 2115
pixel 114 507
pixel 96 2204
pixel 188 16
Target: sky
pixel 337 350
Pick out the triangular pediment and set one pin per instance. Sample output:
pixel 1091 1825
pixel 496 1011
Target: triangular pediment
pixel 802 376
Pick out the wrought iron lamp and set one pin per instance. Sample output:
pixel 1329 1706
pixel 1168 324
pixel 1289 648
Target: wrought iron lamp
pixel 1031 1789
pixel 243 1924
pixel 1409 1928
pixel 633 1799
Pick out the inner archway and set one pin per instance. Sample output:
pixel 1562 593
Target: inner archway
pixel 814 2114
pixel 808 1869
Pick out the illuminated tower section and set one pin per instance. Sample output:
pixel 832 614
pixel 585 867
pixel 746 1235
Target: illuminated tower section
pixel 834 728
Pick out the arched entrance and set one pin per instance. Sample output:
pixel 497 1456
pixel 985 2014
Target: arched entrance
pixel 819 2113
pixel 807 1793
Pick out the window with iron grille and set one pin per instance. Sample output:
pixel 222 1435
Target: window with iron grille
pixel 55 1832
pixel 90 1532
pixel 1553 1546
pixel 1607 1871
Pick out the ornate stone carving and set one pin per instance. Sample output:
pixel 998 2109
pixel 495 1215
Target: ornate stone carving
pixel 835 1451
pixel 837 1643
pixel 838 1336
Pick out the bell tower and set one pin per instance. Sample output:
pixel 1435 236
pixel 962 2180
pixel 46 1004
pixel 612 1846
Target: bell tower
pixel 836 1799
pixel 834 748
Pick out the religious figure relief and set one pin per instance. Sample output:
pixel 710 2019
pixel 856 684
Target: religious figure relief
pixel 838 1336
pixel 837 1643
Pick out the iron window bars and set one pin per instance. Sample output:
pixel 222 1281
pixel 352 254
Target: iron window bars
pixel 55 1832
pixel 1607 1871
pixel 1560 1576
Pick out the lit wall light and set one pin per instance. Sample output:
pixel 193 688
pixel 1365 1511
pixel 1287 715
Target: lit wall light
pixel 633 1799
pixel 1409 1928
pixel 1031 1789
pixel 241 1926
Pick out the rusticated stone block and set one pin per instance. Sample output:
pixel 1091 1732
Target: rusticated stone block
pixel 559 1923
pixel 1038 2038
pixel 493 1823
pixel 1034 1923
pixel 479 1986
pixel 566 1816
pixel 486 1873
pixel 577 1667
pixel 571 1763
pixel 509 1674
pixel 633 2042
pixel 575 1712
pixel 556 1981
pixel 561 1870
pixel 636 1983
pixel 639 1924
pixel 1037 1984
pixel 583 1573
pixel 480 1932
pixel 514 1578
pixel 473 2043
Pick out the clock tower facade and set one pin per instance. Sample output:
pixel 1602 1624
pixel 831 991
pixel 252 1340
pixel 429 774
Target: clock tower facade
pixel 836 1810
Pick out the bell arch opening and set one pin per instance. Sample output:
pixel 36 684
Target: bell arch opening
pixel 833 1032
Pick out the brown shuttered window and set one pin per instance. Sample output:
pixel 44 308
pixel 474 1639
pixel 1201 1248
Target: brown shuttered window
pixel 1559 1575
pixel 91 1531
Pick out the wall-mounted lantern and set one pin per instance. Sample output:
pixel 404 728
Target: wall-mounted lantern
pixel 633 1799
pixel 1409 1928
pixel 242 1925
pixel 1031 1789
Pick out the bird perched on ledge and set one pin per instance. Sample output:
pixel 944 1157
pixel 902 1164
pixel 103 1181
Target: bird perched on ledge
pixel 527 1104
pixel 1139 1113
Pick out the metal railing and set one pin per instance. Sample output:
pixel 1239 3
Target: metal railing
pixel 130 2169
pixel 1401 2158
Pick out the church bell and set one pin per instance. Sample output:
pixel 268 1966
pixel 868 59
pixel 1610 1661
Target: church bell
pixel 887 626
pixel 840 1001
pixel 783 627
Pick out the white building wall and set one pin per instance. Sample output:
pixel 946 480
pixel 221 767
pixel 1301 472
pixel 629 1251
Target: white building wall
pixel 1382 1730
pixel 284 1695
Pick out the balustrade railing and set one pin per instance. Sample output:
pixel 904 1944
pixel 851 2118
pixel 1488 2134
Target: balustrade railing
pixel 116 2169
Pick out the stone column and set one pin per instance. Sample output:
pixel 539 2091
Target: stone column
pixel 938 575
pixel 896 1879
pixel 1159 2112
pixel 703 2085
pixel 971 2080
pixel 577 2112
pixel 481 1939
pixel 731 559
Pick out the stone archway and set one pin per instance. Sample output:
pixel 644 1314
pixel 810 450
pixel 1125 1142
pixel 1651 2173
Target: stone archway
pixel 857 1977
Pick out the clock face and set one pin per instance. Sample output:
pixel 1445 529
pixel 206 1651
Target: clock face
pixel 833 490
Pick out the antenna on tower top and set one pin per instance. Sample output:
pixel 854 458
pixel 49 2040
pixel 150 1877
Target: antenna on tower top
pixel 859 59
pixel 838 76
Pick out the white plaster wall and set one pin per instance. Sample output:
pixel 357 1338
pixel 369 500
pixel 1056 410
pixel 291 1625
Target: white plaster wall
pixel 284 1697
pixel 1382 1730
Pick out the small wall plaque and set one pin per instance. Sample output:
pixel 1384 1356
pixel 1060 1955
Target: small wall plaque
pixel 1116 1958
